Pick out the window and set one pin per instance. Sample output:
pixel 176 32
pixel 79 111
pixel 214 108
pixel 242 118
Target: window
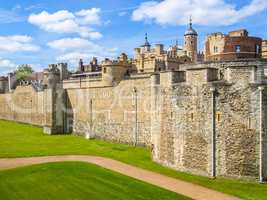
pixel 249 123
pixel 237 49
pixel 218 117
pixel 215 49
pixel 105 70
pixel 192 116
pixel 258 49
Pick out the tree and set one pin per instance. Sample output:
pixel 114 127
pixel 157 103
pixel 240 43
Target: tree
pixel 23 71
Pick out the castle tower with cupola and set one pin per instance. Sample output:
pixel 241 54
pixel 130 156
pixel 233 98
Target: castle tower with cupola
pixel 190 42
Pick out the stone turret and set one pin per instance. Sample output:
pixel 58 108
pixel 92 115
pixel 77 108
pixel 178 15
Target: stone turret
pixel 108 72
pixel 51 76
pixel 190 42
pixel 114 71
pixel 81 66
pixel 159 49
pixel 55 98
pixel 63 70
pixel 123 58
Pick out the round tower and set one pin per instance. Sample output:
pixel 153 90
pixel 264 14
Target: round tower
pixel 190 42
pixel 108 72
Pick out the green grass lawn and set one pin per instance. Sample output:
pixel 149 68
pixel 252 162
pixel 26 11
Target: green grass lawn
pixel 76 181
pixel 18 140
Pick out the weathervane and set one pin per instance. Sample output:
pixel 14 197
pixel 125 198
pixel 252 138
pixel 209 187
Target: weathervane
pixel 190 21
pixel 146 38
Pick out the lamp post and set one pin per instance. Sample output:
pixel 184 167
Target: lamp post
pixel 260 136
pixel 89 132
pixel 213 137
pixel 136 122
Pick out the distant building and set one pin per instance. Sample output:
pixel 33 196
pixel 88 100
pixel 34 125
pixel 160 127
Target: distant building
pixel 264 49
pixel 148 59
pixel 91 67
pixel 236 45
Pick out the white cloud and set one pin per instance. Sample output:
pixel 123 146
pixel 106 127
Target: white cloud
pixel 4 63
pixel 66 44
pixel 6 66
pixel 89 16
pixel 67 22
pixel 37 67
pixel 95 35
pixel 73 49
pixel 44 17
pixel 204 12
pixel 17 43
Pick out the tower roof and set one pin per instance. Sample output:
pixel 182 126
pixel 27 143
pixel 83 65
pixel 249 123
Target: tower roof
pixel 191 31
pixel 146 42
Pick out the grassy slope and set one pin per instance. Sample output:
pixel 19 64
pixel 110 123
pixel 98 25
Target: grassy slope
pixel 17 140
pixel 75 180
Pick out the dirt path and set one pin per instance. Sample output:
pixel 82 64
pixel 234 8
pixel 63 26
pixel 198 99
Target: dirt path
pixel 175 185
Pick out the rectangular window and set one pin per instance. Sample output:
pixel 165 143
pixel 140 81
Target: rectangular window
pixel 249 123
pixel 215 49
pixel 237 49
pixel 218 117
pixel 192 116
pixel 258 49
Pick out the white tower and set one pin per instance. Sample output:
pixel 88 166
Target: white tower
pixel 190 42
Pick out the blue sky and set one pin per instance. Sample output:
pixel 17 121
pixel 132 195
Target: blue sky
pixel 42 32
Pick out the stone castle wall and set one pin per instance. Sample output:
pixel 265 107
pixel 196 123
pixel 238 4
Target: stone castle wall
pixel 110 112
pixel 184 137
pixel 40 108
pixel 23 105
pixel 197 120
